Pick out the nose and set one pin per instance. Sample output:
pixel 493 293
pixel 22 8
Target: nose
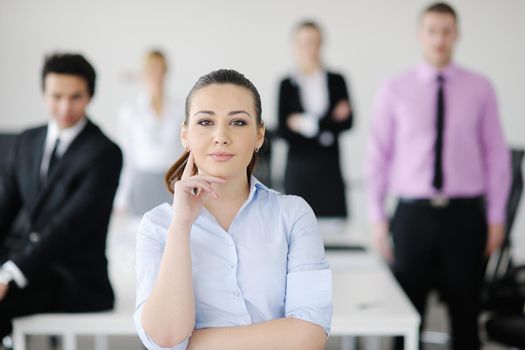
pixel 65 106
pixel 221 135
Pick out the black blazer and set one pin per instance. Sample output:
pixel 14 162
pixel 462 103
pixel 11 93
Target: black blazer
pixel 290 102
pixel 61 227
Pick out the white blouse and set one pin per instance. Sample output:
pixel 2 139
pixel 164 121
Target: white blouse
pixel 313 93
pixel 150 143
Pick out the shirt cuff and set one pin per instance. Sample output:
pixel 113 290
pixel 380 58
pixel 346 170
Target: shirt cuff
pixel 309 297
pixel 146 340
pixel 15 273
pixel 376 213
pixel 308 125
pixel 5 276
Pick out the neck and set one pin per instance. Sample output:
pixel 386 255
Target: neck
pixel 439 64
pixel 233 191
pixel 310 68
pixel 157 100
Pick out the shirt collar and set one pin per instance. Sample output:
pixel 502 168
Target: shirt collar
pixel 67 135
pixel 255 185
pixel 300 77
pixel 429 73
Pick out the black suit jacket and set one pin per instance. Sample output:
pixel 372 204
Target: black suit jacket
pixel 61 227
pixel 290 102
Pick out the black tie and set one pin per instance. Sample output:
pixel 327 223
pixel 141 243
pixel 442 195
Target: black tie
pixel 54 158
pixel 437 181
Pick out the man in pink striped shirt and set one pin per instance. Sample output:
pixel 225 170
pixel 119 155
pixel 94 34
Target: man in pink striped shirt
pixel 438 146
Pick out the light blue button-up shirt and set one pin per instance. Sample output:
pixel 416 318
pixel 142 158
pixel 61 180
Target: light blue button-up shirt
pixel 270 264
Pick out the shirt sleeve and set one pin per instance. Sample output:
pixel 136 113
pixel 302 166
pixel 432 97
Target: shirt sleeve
pixel 149 252
pixel 15 273
pixel 308 125
pixel 309 279
pixel 379 155
pixel 496 159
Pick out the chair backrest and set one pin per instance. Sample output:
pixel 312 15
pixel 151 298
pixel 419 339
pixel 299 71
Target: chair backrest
pixel 516 190
pixel 7 142
pixel 501 262
pixel 263 169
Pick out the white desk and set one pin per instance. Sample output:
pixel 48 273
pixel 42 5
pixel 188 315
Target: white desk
pixel 367 300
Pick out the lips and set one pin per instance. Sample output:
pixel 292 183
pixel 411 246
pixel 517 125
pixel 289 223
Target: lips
pixel 221 156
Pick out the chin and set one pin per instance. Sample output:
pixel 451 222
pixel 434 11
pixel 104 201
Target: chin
pixel 223 172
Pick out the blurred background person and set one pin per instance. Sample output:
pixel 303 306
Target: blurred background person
pixel 55 203
pixel 314 108
pixel 149 134
pixel 438 146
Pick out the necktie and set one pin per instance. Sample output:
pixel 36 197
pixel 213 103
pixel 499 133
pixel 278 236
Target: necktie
pixel 437 181
pixel 54 158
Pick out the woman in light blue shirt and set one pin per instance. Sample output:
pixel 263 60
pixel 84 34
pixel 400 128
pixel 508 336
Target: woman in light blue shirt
pixel 230 264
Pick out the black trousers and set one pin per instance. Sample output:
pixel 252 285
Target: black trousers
pixel 442 248
pixel 40 296
pixel 319 181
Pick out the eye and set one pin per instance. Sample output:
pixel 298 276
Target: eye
pixel 205 122
pixel 238 122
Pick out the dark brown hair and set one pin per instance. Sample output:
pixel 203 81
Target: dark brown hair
pixel 440 7
pixel 221 76
pixel 308 24
pixel 71 64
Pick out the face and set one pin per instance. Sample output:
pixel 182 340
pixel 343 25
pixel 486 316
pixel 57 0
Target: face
pixel 66 97
pixel 437 36
pixel 307 46
pixel 222 131
pixel 154 74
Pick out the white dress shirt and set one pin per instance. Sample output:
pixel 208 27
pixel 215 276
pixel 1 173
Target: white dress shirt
pixel 150 143
pixel 66 136
pixel 269 264
pixel 313 93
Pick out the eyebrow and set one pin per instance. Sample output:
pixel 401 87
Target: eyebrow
pixel 230 113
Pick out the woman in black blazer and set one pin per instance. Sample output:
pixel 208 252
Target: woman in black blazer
pixel 314 108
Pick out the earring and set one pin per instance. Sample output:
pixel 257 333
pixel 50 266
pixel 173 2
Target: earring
pixel 256 149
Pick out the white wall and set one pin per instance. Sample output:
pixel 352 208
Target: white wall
pixel 368 40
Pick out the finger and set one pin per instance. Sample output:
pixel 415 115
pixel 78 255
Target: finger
pixel 189 185
pixel 202 193
pixel 209 178
pixel 193 186
pixel 188 168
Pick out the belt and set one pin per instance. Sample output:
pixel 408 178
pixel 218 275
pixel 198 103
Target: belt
pixel 443 202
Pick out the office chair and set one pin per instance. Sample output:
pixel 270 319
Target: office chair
pixel 505 289
pixel 7 142
pixel 263 170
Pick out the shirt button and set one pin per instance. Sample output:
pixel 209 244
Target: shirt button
pixel 246 319
pixel 232 266
pixel 237 294
pixel 230 243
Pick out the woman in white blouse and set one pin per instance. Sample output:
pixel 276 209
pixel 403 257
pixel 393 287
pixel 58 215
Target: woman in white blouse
pixel 149 130
pixel 314 109
pixel 230 264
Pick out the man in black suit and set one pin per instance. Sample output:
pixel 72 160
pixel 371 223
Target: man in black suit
pixel 55 204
